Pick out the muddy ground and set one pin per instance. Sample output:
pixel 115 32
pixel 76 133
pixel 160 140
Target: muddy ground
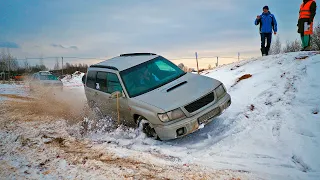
pixel 41 137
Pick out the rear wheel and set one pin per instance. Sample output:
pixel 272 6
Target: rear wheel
pixel 144 125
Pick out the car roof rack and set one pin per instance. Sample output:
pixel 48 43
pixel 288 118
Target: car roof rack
pixel 103 66
pixel 137 54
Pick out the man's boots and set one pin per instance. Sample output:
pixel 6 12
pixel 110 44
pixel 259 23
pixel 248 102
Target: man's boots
pixel 266 51
pixel 308 48
pixel 263 51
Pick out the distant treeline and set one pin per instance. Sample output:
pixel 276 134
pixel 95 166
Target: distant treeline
pixel 9 67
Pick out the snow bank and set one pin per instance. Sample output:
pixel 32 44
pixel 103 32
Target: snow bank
pixel 74 80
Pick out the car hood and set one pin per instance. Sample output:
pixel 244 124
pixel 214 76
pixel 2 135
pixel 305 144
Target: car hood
pixel 180 92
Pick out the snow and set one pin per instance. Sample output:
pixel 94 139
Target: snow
pixel 73 81
pixel 12 89
pixel 270 131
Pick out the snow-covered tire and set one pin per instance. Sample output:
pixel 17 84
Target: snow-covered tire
pixel 144 126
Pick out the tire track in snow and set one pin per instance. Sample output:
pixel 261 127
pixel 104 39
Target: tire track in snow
pixel 300 164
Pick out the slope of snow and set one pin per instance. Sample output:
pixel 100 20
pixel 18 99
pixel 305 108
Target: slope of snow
pixel 271 128
pixel 281 135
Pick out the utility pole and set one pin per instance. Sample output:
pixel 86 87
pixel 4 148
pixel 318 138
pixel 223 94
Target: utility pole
pixel 62 65
pixel 26 65
pixel 217 64
pixel 9 68
pixel 197 62
pixel 238 56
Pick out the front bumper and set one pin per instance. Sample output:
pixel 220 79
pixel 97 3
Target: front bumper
pixel 191 124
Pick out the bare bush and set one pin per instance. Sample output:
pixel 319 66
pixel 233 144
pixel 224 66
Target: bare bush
pixel 315 38
pixel 276 47
pixel 294 46
pixel 57 65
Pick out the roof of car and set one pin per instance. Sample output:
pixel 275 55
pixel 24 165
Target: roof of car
pixel 43 73
pixel 125 61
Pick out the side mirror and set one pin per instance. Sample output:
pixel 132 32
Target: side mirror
pixel 116 94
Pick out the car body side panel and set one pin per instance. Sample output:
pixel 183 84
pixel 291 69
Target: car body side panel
pixel 146 110
pixel 107 105
pixel 91 95
pixel 110 107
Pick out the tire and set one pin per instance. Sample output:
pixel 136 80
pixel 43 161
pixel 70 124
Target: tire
pixel 144 124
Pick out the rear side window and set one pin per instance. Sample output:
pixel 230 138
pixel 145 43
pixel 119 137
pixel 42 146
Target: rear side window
pixel 101 83
pixel 91 79
pixel 113 84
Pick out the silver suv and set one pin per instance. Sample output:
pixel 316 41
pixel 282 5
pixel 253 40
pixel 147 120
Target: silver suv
pixel 147 90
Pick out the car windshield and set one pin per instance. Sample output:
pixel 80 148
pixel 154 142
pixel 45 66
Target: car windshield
pixel 150 75
pixel 48 77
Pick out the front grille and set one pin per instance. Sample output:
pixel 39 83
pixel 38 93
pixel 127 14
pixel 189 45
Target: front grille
pixel 205 100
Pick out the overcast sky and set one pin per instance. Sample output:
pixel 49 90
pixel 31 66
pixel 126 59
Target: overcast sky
pixel 107 28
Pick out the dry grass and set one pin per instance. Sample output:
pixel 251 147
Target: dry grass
pixel 302 57
pixel 252 107
pixel 246 76
pixel 235 67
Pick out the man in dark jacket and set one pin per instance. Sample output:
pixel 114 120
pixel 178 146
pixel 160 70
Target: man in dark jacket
pixel 267 23
pixel 305 22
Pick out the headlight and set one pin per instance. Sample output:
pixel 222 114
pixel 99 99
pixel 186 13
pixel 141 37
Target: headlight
pixel 220 91
pixel 163 117
pixel 171 115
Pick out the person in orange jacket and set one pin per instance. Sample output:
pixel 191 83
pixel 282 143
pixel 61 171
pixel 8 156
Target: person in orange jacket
pixel 305 23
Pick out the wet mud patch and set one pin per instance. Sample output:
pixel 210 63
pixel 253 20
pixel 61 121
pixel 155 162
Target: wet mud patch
pixel 16 97
pixel 47 105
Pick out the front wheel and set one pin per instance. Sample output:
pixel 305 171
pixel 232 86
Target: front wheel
pixel 144 125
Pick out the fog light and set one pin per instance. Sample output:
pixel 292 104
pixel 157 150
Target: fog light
pixel 180 131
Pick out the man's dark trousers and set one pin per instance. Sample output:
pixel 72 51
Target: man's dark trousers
pixel 265 49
